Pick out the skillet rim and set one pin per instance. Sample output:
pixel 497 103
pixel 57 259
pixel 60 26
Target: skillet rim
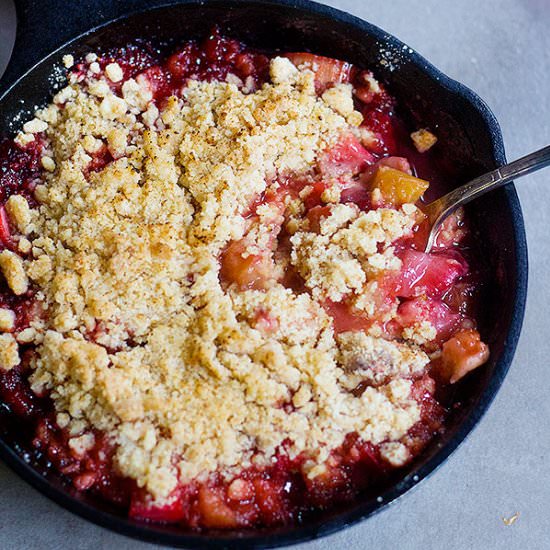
pixel 314 530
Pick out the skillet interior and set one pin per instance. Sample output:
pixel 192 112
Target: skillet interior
pixel 467 132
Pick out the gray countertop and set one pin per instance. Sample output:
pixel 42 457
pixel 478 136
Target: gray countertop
pixel 501 49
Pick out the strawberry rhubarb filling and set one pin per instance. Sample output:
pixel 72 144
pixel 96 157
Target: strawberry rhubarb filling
pixel 215 309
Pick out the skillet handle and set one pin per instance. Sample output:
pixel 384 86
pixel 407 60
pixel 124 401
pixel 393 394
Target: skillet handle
pixel 45 25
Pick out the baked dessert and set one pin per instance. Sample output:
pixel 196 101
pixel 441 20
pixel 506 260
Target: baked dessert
pixel 214 306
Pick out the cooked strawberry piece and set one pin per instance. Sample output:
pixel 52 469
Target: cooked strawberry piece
pixel 100 159
pixel 325 488
pixel 434 311
pixel 5 233
pixel 16 393
pixel 271 501
pixel 327 70
pixel 354 450
pixel 19 168
pixel 461 354
pixel 217 47
pixel 429 274
pixel 432 415
pixel 423 388
pixel 215 58
pixel 347 157
pixel 158 82
pixel 245 64
pixel 142 507
pixel 369 454
pixel 180 64
pixel 378 118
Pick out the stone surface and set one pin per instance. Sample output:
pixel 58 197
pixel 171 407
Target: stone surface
pixel 501 49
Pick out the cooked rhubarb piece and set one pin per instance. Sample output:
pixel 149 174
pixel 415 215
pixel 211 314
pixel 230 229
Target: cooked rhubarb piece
pixel 344 318
pixel 315 215
pixel 327 70
pixel 461 354
pixel 348 156
pixel 429 274
pixel 245 270
pixel 397 187
pixel 437 313
pixel 214 511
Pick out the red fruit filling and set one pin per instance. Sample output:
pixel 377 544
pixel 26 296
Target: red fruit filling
pixel 437 288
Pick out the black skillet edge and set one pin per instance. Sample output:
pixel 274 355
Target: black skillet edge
pixel 53 23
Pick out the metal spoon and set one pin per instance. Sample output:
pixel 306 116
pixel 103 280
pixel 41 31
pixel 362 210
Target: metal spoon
pixel 438 210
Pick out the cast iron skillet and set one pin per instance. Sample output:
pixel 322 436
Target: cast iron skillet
pixel 467 131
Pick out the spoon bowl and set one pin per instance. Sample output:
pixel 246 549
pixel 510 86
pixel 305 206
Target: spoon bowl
pixel 439 210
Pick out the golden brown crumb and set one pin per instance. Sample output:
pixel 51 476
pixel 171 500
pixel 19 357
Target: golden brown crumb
pixel 395 453
pixel 114 72
pixel 11 266
pixel 423 140
pixel 68 61
pixel 9 352
pixel 47 163
pixel 7 319
pixel 420 333
pixel 340 99
pixel 24 245
pixel 19 212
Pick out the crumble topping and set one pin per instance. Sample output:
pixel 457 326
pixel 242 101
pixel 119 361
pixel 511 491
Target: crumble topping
pixel 68 61
pixel 11 266
pixel 364 357
pixel 141 339
pixel 9 352
pixel 395 453
pixel 350 249
pixel 19 212
pixel 420 332
pixel 7 319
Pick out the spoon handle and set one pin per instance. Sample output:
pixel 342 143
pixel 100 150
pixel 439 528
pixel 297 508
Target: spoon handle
pixel 441 208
